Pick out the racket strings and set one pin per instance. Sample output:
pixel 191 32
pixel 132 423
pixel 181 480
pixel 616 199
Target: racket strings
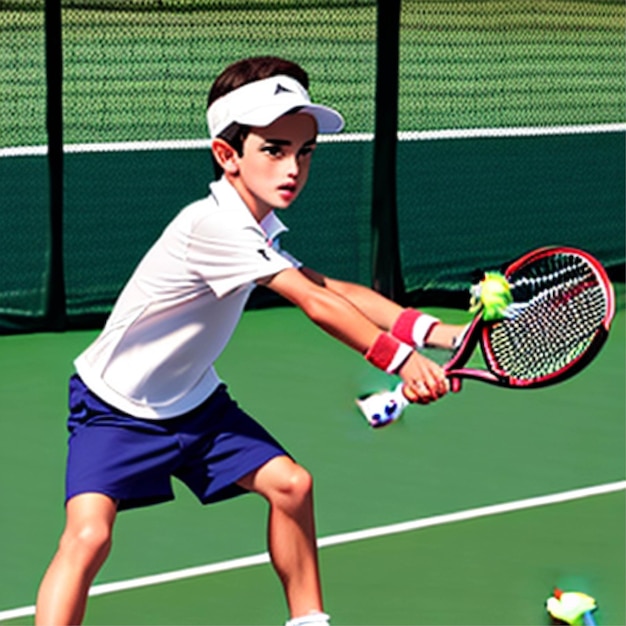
pixel 559 304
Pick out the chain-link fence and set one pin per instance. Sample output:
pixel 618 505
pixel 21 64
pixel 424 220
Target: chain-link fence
pixel 129 146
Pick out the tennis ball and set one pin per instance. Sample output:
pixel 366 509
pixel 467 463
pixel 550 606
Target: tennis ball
pixel 495 296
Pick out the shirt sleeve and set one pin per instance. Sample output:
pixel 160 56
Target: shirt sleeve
pixel 292 259
pixel 229 255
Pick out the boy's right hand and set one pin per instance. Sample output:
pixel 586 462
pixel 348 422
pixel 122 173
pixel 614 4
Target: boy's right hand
pixel 424 380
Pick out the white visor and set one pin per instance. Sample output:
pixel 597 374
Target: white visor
pixel 262 102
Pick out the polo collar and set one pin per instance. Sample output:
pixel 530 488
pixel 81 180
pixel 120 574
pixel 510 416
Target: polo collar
pixel 226 195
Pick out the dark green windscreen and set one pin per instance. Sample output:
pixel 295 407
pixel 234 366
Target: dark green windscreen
pixel 471 194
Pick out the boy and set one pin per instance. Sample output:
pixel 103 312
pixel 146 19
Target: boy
pixel 146 403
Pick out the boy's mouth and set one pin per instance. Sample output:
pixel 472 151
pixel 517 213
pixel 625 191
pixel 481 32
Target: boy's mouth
pixel 287 191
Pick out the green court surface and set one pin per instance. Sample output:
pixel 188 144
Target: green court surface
pixel 482 447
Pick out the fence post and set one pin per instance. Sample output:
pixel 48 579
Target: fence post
pixel 55 315
pixel 386 270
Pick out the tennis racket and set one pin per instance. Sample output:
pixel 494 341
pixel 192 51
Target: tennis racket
pixel 563 305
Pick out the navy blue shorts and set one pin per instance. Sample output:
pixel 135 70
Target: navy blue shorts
pixel 132 460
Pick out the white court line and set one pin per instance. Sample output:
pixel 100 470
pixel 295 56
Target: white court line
pixel 333 540
pixel 428 135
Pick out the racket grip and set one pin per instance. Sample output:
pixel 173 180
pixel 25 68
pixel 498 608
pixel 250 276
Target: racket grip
pixel 383 408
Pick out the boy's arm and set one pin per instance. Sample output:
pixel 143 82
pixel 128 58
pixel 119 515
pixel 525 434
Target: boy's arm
pixel 382 311
pixel 335 313
pixel 379 309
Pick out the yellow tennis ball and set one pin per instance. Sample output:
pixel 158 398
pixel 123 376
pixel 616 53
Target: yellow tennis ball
pixel 495 296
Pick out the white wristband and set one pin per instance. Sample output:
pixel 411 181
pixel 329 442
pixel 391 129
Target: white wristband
pixel 401 355
pixel 422 329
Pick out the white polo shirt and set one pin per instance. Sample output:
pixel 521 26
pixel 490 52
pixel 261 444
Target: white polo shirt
pixel 155 355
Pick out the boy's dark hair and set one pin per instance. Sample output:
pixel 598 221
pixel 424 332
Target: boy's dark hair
pixel 247 71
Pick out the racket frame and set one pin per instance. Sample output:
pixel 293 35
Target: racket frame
pixel 478 333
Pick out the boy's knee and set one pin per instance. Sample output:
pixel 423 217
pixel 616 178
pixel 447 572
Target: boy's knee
pixel 295 485
pixel 300 481
pixel 282 482
pixel 93 539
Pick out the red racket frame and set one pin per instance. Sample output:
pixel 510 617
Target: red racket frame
pixel 478 332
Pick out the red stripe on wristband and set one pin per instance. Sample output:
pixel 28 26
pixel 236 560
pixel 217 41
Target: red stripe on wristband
pixel 414 327
pixel 387 353
pixel 403 326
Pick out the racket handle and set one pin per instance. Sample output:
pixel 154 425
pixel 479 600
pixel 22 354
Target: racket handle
pixel 383 408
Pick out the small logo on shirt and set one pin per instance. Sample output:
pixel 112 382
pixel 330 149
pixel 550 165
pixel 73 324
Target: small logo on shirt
pixel 264 254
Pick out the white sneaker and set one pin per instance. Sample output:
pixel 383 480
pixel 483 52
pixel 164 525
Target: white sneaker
pixel 311 619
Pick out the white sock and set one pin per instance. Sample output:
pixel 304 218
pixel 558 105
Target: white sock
pixel 310 619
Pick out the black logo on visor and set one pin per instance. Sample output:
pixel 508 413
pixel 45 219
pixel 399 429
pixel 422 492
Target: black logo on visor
pixel 281 89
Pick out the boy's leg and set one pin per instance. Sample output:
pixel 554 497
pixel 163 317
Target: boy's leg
pixel 83 548
pixel 291 530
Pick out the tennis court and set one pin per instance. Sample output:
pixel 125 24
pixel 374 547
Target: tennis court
pixel 466 512
pixel 453 559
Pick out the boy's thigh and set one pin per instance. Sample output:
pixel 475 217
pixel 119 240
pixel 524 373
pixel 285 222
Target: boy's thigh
pixel 233 445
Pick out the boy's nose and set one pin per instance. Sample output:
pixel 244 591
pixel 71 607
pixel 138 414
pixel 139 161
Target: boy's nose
pixel 293 165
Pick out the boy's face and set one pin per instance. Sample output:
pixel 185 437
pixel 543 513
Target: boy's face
pixel 275 163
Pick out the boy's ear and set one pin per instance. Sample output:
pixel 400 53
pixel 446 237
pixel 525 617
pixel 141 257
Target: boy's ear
pixel 225 155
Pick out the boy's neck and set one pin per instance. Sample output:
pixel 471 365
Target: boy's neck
pixel 258 209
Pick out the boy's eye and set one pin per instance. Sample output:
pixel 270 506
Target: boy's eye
pixel 272 150
pixel 307 150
